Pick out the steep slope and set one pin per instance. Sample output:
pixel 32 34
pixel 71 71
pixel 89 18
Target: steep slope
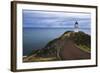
pixel 69 46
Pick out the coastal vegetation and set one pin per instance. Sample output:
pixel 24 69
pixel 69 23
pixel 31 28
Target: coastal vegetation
pixel 52 50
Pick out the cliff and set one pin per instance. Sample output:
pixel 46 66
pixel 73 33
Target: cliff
pixel 69 46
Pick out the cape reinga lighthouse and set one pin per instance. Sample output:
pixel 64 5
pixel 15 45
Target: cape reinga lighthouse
pixel 76 27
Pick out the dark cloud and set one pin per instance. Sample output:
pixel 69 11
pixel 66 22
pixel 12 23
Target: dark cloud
pixel 54 19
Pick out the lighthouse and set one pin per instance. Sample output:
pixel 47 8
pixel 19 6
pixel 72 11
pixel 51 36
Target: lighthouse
pixel 76 27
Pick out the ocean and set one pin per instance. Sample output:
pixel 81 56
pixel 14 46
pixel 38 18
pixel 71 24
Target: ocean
pixel 37 38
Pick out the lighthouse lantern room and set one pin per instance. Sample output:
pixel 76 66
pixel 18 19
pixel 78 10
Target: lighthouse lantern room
pixel 76 27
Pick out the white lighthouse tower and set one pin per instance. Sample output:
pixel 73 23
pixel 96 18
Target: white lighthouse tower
pixel 76 27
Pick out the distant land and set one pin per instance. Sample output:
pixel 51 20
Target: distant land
pixel 54 27
pixel 69 46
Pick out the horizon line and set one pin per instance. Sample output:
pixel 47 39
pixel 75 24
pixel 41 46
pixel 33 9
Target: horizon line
pixel 55 27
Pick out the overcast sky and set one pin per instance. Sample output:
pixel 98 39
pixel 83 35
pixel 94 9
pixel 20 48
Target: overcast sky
pixel 55 19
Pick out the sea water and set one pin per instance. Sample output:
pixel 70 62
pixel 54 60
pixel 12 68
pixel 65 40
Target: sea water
pixel 37 38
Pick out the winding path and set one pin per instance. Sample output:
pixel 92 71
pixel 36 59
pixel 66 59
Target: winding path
pixel 71 52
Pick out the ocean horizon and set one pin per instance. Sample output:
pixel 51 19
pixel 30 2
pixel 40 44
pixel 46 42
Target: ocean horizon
pixel 37 38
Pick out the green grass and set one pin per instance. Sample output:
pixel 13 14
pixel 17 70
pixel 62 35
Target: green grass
pixel 84 48
pixel 41 59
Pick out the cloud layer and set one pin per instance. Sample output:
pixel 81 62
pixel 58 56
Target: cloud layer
pixel 55 19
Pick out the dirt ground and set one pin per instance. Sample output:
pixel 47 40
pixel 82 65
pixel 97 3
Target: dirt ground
pixel 71 52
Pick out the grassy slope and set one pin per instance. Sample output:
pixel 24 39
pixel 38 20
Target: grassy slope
pixel 81 40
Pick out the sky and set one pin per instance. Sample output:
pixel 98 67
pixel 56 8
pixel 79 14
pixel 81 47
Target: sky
pixel 55 19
